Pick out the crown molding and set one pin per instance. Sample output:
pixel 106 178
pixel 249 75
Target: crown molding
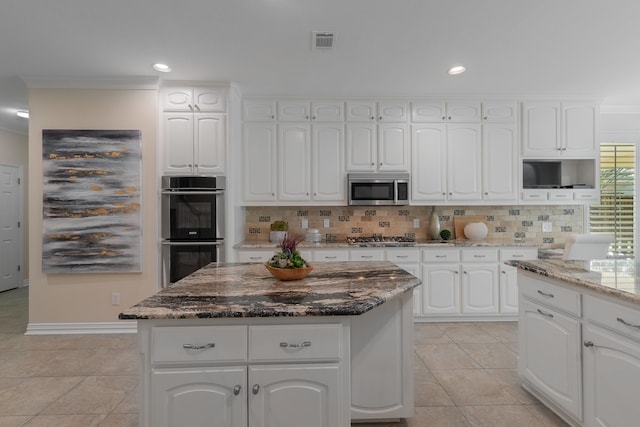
pixel 132 82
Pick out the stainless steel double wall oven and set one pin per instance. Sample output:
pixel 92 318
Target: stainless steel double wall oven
pixel 192 224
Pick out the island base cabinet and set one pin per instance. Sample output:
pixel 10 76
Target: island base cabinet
pixel 550 356
pixel 611 378
pixel 294 396
pixel 199 397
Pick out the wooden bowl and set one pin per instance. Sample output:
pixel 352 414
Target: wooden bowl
pixel 289 273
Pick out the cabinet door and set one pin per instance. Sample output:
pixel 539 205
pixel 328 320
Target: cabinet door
pixel 177 139
pixel 393 147
pixel 499 174
pixel 611 378
pixel 210 147
pixel 428 161
pixel 294 162
pixel 499 111
pixel 393 111
pixel 199 397
pixel 177 99
pixel 433 111
pixel 361 147
pixel 259 110
pixel 440 289
pixel 327 111
pixel 540 129
pixel 361 111
pixel 210 99
pixel 463 112
pixel 464 162
pixel 508 289
pixel 549 355
pixel 296 395
pixel 480 288
pixel 579 129
pixel 294 111
pixel 328 180
pixel 259 154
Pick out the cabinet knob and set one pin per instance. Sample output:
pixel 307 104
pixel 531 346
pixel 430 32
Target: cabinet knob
pixel 449 118
pixel 372 163
pixel 273 194
pixel 236 389
pixel 197 107
pixel 307 194
pixel 313 117
pixel 444 118
pixel 380 118
pixel 255 389
pixel 486 194
pixel 306 117
pixel 373 118
pixel 380 163
pixel 190 107
pixel 484 118
pixel 273 117
pixel 588 343
pixel 451 194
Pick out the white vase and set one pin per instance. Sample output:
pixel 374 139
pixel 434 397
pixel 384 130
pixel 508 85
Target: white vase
pixel 434 225
pixel 276 236
pixel 476 231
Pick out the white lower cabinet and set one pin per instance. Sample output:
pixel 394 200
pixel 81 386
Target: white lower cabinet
pixel 480 288
pixel 441 289
pixel 508 289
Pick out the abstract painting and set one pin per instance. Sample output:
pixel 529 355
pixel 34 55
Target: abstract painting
pixel 91 200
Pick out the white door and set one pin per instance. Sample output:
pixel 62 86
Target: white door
pixel 499 162
pixel 295 396
pixel 428 171
pixel 209 137
pixel 479 288
pixel 178 143
pixel 10 218
pixel 393 147
pixel 361 147
pixel 259 161
pixel 579 129
pixel 294 162
pixel 508 289
pixel 328 162
pixel 464 162
pixel 440 289
pixel 540 129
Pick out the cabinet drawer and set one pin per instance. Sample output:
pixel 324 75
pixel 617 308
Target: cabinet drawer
pixel 402 255
pixel 366 255
pixel 295 342
pixel 534 195
pixel 518 254
pixel 199 343
pixel 255 256
pixel 480 255
pixel 330 255
pixel 613 316
pixel 560 195
pixel 592 195
pixel 546 293
pixel 440 255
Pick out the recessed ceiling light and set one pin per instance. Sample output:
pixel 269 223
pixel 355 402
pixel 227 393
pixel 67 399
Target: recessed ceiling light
pixel 24 114
pixel 458 69
pixel 164 68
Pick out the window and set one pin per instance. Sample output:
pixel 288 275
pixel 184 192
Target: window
pixel 616 212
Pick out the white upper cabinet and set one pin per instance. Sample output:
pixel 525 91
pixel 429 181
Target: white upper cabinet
pixel 499 172
pixel 327 111
pixel 383 111
pixel 362 147
pixel 499 111
pixel 428 162
pixel 294 162
pixel 303 111
pixel 393 147
pixel 553 129
pixel 327 162
pixel 259 160
pixel 259 110
pixel 437 111
pixel 294 111
pixel 464 162
pixel 383 147
pixel 213 99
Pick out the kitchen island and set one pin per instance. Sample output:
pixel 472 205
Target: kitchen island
pixel 230 345
pixel 579 338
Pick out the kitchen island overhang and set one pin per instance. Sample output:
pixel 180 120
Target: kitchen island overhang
pixel 236 317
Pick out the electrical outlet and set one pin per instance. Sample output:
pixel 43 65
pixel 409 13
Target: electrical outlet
pixel 416 223
pixel 115 298
pixel 547 227
pixel 326 223
pixel 305 223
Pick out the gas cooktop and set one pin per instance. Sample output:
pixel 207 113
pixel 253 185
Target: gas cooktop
pixel 381 241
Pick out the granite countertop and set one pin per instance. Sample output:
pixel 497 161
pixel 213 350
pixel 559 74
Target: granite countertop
pixel 248 290
pixel 619 278
pixel 462 243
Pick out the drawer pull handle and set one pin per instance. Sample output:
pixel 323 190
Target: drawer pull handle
pixel 255 257
pixel 330 257
pixel 479 256
pixel 366 256
pixel 545 314
pixel 236 389
pixel 255 389
pixel 198 347
pixel 441 256
pixel 299 345
pixel 402 256
pixel 517 255
pixel 625 323
pixel 544 294
pixel 588 343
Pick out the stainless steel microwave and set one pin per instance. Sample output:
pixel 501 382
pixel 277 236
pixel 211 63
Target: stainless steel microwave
pixel 378 189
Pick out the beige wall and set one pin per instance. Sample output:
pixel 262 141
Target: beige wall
pixel 14 150
pixel 59 298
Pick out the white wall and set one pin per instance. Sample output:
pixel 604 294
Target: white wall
pixel 80 298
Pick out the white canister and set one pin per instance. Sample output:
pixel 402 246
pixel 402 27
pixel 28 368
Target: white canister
pixel 313 235
pixel 476 231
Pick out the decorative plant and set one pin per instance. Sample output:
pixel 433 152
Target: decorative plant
pixel 288 256
pixel 279 226
pixel 445 234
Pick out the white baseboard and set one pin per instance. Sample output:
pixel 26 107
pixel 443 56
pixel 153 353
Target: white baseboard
pixel 82 328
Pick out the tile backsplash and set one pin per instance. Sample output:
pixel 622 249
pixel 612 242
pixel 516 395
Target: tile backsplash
pixel 504 222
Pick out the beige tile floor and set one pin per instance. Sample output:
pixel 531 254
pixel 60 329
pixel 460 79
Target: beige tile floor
pixel 464 373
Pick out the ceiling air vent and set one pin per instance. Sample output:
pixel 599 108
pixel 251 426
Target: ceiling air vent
pixel 322 39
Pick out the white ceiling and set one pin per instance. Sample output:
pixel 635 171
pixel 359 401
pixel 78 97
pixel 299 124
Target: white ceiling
pixel 560 48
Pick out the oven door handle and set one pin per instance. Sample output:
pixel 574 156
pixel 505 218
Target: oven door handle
pixel 192 193
pixel 194 243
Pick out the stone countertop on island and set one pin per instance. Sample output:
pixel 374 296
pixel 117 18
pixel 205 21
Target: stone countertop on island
pixel 461 243
pixel 619 278
pixel 232 290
